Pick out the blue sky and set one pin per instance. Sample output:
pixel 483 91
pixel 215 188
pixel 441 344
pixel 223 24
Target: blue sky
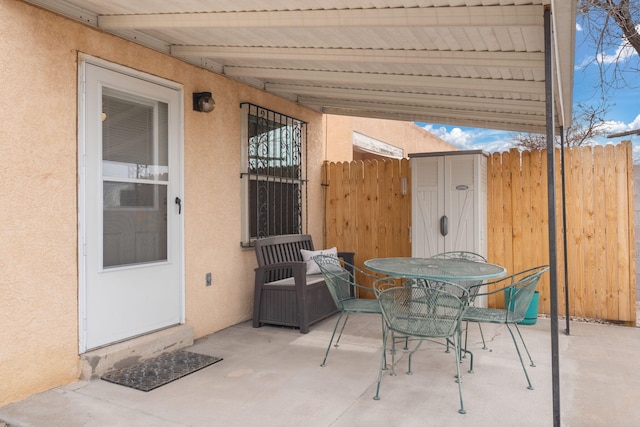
pixel 623 113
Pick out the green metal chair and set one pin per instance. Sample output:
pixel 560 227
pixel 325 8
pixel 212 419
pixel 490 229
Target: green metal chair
pixel 471 256
pixel 518 289
pixel 421 313
pixel 343 288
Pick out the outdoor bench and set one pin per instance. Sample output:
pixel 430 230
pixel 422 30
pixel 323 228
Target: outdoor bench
pixel 284 293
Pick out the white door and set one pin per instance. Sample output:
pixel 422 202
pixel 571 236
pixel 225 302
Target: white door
pixel 448 211
pixel 427 178
pixel 460 209
pixel 130 202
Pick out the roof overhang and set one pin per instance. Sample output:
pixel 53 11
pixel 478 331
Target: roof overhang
pixel 475 63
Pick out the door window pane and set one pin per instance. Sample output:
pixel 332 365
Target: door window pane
pixel 134 179
pixel 134 137
pixel 134 223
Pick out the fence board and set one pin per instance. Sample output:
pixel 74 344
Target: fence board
pixel 559 235
pixel 574 228
pixel 495 210
pixel 539 223
pixel 527 179
pixel 624 228
pixel 611 233
pixel 543 231
pixel 631 297
pixel 375 218
pixel 600 241
pixel 588 229
pixel 386 214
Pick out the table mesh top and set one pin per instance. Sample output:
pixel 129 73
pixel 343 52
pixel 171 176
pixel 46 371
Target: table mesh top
pixel 435 269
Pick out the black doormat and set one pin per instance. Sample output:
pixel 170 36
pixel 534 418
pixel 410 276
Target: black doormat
pixel 161 370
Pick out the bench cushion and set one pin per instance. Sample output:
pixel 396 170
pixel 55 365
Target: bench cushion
pixel 289 281
pixel 307 256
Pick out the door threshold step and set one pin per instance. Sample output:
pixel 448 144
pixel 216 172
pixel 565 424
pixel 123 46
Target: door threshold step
pixel 123 354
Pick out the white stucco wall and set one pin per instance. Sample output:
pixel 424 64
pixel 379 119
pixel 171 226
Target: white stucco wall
pixel 38 183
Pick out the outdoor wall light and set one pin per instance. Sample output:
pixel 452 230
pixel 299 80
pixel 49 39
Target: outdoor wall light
pixel 203 102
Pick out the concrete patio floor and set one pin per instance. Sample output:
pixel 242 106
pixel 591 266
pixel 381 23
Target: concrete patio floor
pixel 271 376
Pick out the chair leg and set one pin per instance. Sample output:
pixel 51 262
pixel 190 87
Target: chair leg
pixel 409 371
pixel 466 334
pixel 458 376
pixel 393 353
pixel 335 328
pixel 464 349
pixel 342 329
pixel 525 346
pixel 515 343
pixel 484 344
pixel 383 361
pixel 384 349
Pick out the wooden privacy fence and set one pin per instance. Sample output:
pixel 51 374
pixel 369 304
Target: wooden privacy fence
pixel 368 211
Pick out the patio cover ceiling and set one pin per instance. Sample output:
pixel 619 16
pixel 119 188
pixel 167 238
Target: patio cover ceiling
pixel 475 63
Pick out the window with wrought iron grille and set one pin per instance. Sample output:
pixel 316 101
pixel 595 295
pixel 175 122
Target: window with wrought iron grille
pixel 274 174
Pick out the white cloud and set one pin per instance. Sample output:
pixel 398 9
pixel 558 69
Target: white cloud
pixel 612 126
pixel 636 153
pixel 473 139
pixel 455 136
pixel 578 27
pixel 623 52
pixel 585 63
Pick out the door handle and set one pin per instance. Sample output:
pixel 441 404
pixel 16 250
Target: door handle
pixel 179 203
pixel 444 225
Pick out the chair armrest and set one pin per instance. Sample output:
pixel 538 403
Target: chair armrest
pixel 509 281
pixel 298 270
pixel 507 284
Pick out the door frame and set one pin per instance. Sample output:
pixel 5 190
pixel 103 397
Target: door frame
pixel 84 59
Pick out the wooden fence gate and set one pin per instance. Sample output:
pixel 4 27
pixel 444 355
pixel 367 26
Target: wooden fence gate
pixel 368 211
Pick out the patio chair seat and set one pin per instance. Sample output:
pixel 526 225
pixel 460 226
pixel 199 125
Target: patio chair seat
pixel 361 305
pixel 518 290
pixel 341 280
pixel 490 315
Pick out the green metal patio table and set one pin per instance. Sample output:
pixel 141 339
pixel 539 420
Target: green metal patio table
pixel 463 272
pixel 455 270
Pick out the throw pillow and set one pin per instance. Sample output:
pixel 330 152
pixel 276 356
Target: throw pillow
pixel 312 266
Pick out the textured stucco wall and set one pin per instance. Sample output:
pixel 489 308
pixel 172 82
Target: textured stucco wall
pixel 411 138
pixel 38 183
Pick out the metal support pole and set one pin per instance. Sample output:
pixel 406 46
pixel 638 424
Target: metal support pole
pixel 564 235
pixel 551 181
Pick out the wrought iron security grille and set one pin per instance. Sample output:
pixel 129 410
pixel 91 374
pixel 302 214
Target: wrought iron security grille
pixel 275 175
